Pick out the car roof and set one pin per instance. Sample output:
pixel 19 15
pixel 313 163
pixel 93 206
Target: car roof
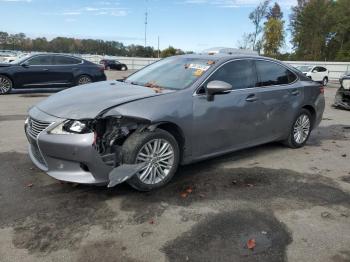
pixel 226 57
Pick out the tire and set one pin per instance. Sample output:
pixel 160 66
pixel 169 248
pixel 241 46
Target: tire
pixel 83 80
pixel 293 141
pixel 6 85
pixel 325 81
pixel 123 68
pixel 134 149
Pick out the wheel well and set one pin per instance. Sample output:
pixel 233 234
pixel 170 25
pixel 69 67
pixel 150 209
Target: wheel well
pixel 176 132
pixel 312 112
pixel 9 77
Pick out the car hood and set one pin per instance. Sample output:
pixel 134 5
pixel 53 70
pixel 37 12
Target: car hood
pixel 88 101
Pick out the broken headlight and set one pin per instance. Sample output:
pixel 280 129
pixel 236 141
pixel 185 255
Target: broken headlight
pixel 72 127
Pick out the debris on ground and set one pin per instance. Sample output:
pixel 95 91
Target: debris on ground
pixel 343 155
pixel 325 214
pixel 251 243
pixel 151 221
pixel 29 185
pixel 186 192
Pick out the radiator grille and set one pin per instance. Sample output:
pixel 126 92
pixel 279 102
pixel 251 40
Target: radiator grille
pixel 36 126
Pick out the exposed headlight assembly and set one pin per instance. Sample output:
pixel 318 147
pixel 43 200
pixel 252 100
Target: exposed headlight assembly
pixel 72 127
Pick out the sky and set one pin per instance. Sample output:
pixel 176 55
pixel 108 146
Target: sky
pixel 192 25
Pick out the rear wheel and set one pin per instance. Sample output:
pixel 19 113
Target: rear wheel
pixel 84 79
pixel 159 151
pixel 123 68
pixel 5 85
pixel 301 130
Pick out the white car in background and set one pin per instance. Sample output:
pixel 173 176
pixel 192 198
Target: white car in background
pixel 316 73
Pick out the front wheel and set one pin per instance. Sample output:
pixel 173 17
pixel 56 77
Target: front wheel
pixel 159 150
pixel 300 131
pixel 5 85
pixel 123 68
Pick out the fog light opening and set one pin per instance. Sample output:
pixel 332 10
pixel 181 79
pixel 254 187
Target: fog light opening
pixel 84 167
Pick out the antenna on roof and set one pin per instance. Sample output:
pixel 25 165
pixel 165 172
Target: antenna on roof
pixel 229 51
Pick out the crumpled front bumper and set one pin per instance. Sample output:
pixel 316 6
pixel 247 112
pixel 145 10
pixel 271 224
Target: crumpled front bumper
pixel 70 158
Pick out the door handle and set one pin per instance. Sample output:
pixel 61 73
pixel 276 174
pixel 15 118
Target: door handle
pixel 251 98
pixel 45 69
pixel 295 92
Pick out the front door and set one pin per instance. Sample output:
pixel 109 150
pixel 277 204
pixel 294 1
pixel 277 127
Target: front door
pixel 35 71
pixel 232 120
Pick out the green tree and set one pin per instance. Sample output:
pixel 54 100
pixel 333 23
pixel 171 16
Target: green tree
pixel 170 51
pixel 311 28
pixel 273 38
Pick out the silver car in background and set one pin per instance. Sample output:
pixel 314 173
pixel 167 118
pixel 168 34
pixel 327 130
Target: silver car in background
pixel 176 111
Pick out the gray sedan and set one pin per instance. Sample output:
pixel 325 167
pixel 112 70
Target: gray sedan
pixel 176 111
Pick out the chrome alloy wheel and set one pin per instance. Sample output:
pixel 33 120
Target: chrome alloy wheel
pixel 5 85
pixel 301 128
pixel 84 80
pixel 159 156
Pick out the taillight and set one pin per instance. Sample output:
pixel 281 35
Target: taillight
pixel 322 89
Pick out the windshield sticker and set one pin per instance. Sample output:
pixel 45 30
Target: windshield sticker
pixel 198 72
pixel 198 67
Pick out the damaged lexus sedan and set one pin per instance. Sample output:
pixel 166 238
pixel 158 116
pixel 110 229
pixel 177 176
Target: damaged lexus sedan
pixel 176 111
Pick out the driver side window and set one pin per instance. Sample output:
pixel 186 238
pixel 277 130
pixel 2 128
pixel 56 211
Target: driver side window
pixel 40 60
pixel 240 74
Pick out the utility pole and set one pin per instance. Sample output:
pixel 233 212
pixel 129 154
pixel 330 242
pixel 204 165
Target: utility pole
pixel 146 22
pixel 158 48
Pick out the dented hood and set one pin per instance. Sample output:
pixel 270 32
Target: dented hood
pixel 88 101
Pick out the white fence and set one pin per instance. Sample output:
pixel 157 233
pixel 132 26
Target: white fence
pixel 133 63
pixel 336 69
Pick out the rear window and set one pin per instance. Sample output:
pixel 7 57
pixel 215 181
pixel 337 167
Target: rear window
pixel 271 73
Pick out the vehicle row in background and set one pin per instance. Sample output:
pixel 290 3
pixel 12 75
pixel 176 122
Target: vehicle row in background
pixel 110 64
pixel 48 70
pixel 316 73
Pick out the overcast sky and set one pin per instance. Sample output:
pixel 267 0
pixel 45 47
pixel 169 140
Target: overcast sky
pixel 186 24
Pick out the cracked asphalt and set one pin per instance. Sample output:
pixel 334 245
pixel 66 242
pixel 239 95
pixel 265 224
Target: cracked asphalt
pixel 294 203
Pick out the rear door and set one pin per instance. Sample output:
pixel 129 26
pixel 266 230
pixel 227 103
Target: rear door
pixel 65 68
pixel 280 95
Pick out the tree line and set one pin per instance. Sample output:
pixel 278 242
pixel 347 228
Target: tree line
pixel 21 42
pixel 320 30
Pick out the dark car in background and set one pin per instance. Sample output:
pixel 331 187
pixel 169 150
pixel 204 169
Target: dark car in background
pixel 48 70
pixel 113 65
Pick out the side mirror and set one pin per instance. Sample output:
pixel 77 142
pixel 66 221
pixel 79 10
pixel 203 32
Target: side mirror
pixel 25 64
pixel 314 71
pixel 217 87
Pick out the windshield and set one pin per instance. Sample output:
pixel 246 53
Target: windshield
pixel 304 68
pixel 171 73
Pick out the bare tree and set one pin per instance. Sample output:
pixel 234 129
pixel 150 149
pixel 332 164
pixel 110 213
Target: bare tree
pixel 257 17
